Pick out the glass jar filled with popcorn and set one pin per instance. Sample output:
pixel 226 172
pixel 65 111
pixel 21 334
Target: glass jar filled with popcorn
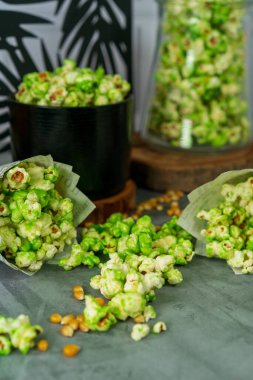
pixel 201 90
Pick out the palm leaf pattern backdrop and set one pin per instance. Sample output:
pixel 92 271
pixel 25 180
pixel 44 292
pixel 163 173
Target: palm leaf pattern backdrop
pixel 39 34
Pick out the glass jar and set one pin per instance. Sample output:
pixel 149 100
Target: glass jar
pixel 200 91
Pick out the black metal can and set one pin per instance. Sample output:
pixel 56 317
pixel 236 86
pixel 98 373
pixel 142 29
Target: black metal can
pixel 96 141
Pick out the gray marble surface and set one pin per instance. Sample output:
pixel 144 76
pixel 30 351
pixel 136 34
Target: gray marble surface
pixel 209 318
pixel 209 336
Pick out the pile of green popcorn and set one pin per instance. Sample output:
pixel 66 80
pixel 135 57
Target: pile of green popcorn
pixel 36 222
pixel 198 98
pixel 229 232
pixel 17 333
pixel 70 86
pixel 141 260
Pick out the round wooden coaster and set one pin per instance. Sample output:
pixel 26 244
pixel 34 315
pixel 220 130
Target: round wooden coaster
pixel 180 170
pixel 121 202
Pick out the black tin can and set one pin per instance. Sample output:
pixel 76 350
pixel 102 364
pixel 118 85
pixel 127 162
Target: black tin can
pixel 96 141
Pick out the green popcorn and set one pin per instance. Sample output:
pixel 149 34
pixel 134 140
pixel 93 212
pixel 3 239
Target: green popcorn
pixel 237 260
pixel 140 331
pixel 115 95
pixel 249 244
pixel 113 272
pixel 39 89
pixel 43 223
pixel 91 232
pixel 42 184
pixel 5 346
pixel 133 260
pixel 27 245
pixel 101 100
pixel 180 254
pixel 24 337
pixel 95 282
pixel 235 231
pixel 51 174
pixel 164 243
pixel 74 260
pixel 121 228
pixel 56 232
pixel 71 100
pixel 90 243
pixel 35 266
pixel 17 178
pixel 15 323
pixel 42 196
pixel 149 313
pixel 219 232
pixel 164 262
pixel 25 259
pixel 4 209
pixel 132 243
pixel 153 280
pixel 90 259
pixel 72 87
pixel 31 211
pixel 68 64
pixel 134 282
pixel 201 65
pixel 122 244
pixel 110 287
pixel 144 224
pixel 130 304
pixel 173 276
pixel 29 230
pixel 151 296
pixel 145 242
pixel 65 207
pixel 159 327
pixel 5 325
pixel 9 239
pixel 248 262
pixel 54 200
pixel 147 265
pixel 46 252
pixel 97 317
pixel 16 211
pixel 223 250
pixel 4 221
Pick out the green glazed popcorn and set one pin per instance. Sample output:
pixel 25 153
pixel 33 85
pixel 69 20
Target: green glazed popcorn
pixel 5 346
pixel 129 304
pixel 228 233
pixel 70 86
pixel 97 317
pixel 149 313
pixel 140 331
pixel 36 222
pixel 174 276
pixel 140 261
pixel 199 81
pixel 21 334
pixel 159 327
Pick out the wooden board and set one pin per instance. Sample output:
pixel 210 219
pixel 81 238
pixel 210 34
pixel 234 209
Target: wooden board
pixel 121 202
pixel 180 170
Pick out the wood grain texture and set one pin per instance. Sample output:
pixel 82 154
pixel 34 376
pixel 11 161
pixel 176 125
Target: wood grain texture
pixel 121 202
pixel 178 170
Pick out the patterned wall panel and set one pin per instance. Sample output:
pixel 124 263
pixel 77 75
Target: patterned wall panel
pixel 38 35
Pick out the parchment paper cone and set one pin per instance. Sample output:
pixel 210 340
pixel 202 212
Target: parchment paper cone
pixel 67 187
pixel 205 197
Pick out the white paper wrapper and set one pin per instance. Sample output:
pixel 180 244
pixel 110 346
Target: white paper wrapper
pixel 205 197
pixel 67 187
